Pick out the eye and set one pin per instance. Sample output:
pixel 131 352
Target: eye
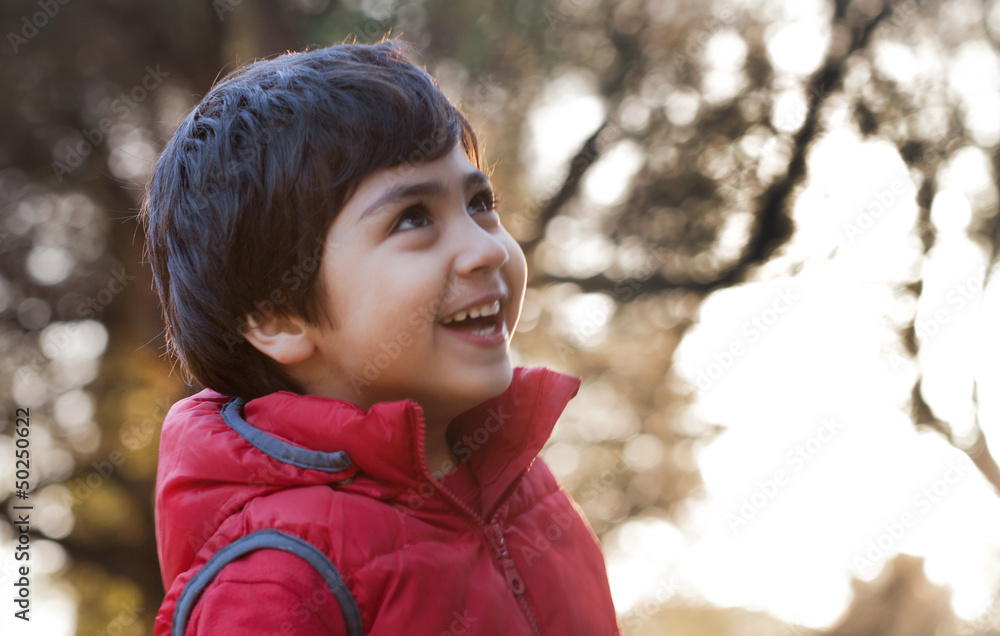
pixel 485 201
pixel 411 218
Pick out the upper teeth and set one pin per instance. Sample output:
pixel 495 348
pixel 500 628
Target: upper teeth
pixel 489 309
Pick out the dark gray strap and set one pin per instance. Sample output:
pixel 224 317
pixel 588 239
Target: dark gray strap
pixel 261 540
pixel 232 414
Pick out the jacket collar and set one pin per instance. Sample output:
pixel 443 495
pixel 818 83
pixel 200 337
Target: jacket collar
pixel 216 454
pixel 499 438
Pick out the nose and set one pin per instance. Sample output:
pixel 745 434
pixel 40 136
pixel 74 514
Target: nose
pixel 478 250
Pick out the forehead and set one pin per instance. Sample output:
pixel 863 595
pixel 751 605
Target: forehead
pixel 453 166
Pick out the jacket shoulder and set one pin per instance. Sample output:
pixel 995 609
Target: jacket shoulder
pixel 264 592
pixel 264 582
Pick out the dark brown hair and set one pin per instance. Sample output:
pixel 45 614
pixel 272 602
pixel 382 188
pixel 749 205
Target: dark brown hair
pixel 240 199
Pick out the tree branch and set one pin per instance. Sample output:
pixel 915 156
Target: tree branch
pixel 628 49
pixel 582 160
pixel 772 227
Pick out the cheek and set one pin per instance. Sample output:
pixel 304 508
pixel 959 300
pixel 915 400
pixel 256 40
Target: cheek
pixel 381 343
pixel 401 311
pixel 516 273
pixel 517 265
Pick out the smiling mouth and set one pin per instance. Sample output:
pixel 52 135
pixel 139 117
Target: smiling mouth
pixel 481 326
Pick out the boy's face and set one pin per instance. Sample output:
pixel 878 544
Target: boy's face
pixel 414 246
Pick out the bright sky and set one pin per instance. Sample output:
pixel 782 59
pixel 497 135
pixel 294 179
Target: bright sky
pixel 820 476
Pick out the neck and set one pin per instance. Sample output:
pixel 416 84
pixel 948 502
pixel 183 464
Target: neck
pixel 438 454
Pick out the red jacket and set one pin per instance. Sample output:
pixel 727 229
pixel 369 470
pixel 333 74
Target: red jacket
pixel 296 514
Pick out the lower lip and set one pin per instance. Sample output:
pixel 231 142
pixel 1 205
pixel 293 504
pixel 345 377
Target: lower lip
pixel 498 337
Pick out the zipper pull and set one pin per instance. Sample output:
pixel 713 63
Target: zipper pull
pixel 510 571
pixel 496 535
pixel 514 579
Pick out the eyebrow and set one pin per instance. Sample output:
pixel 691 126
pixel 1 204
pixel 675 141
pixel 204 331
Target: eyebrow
pixel 473 180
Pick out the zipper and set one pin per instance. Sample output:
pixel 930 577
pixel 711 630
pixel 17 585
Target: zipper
pixel 494 534
pixel 492 531
pixel 511 573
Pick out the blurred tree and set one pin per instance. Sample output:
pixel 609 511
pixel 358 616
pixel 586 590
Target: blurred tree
pixel 901 602
pixel 684 98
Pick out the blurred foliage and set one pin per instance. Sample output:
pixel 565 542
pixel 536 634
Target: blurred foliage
pixel 93 93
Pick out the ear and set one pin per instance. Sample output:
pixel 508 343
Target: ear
pixel 282 338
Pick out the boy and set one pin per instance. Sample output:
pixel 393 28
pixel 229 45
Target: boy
pixel 363 460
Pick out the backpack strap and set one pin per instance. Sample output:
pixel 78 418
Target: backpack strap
pixel 260 540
